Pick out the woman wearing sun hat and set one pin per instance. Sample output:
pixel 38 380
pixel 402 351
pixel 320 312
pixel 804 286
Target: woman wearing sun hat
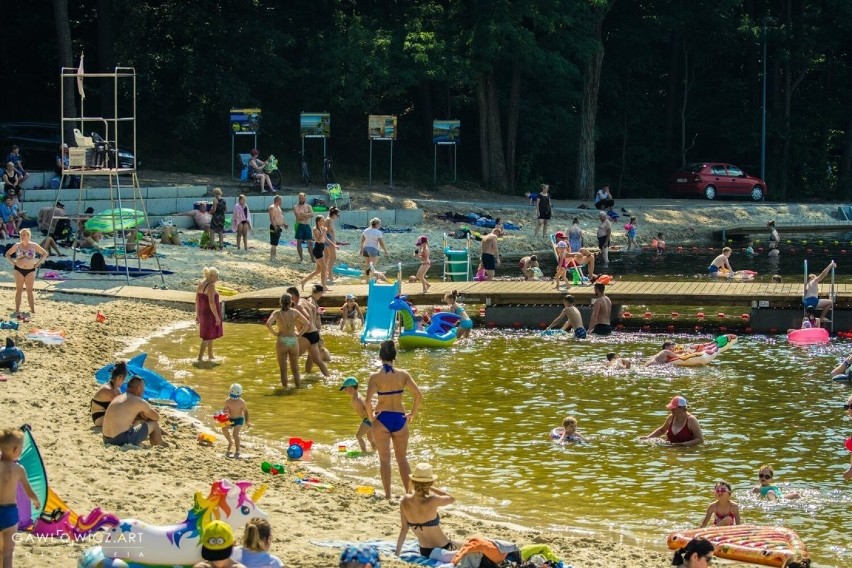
pixel 419 512
pixel 681 428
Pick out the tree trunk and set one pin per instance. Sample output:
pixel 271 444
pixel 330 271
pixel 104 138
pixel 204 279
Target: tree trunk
pixel 584 186
pixel 512 124
pixel 491 138
pixel 671 94
pixel 106 53
pixel 846 163
pixel 66 59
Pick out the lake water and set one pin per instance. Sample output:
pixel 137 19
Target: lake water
pixel 490 403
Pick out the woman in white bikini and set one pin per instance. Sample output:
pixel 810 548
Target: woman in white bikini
pixel 290 324
pixel 25 256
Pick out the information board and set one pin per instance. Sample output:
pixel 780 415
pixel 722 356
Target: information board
pixel 245 120
pixel 381 127
pixel 315 125
pixel 446 131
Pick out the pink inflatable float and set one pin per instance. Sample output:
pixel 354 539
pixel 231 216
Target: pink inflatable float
pixel 808 336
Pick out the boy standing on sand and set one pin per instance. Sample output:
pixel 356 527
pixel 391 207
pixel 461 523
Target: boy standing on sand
pixel 573 319
pixel 11 474
pixel 237 411
pixel 365 429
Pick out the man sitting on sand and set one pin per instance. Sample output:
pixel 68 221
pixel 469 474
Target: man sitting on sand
pixel 664 356
pixel 130 420
pixel 490 254
pixel 601 311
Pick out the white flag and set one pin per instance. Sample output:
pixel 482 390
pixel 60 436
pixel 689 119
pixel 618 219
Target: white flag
pixel 80 78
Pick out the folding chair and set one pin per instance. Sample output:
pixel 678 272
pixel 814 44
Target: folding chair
pixel 243 160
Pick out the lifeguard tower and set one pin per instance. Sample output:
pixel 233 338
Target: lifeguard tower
pixel 120 208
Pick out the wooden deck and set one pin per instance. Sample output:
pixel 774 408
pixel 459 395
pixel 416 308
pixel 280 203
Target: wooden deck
pixel 703 292
pixel 786 229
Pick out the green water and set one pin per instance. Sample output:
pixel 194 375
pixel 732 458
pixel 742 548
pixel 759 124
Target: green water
pixel 490 403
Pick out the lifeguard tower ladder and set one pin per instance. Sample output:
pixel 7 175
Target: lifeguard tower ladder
pixel 456 262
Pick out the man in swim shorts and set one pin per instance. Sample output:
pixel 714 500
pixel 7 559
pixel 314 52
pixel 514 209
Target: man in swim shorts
pixel 276 226
pixel 720 265
pixel 600 323
pixel 490 253
pixel 304 214
pixel 131 420
pixel 811 297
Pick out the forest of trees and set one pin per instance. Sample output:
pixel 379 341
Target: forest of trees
pixel 571 92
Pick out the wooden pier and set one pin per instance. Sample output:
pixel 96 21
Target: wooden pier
pixel 787 229
pixel 699 292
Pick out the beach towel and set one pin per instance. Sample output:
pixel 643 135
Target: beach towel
pixel 410 550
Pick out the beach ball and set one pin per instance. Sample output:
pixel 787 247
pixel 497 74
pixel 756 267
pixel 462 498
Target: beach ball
pixel 295 452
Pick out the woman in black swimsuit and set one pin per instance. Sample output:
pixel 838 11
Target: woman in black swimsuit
pixel 318 253
pixel 107 393
pixel 419 512
pixel 25 256
pixel 331 239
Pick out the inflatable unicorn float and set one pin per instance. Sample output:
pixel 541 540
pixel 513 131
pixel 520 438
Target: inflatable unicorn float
pixel 440 333
pixel 137 544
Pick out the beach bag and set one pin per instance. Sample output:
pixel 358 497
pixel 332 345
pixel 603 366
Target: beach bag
pixel 97 264
pixel 205 240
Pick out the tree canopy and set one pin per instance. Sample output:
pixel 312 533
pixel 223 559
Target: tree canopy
pixel 572 92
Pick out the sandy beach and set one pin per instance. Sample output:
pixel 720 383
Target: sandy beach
pixel 51 391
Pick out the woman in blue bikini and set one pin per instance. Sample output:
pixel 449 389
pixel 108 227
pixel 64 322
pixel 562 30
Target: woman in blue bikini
pixel 390 421
pixel 25 256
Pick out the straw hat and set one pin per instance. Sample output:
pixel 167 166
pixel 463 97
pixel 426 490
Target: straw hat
pixel 423 473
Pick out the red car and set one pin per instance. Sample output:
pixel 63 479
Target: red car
pixel 714 179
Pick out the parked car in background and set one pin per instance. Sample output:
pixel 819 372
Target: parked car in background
pixel 39 143
pixel 715 179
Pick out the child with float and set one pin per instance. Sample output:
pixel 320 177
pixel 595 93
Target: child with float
pixel 234 416
pixel 567 432
pixel 11 475
pixel 723 511
pixel 766 488
pixel 365 428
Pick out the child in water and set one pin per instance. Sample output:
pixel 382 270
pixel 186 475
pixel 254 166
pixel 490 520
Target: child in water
pixel 724 512
pixel 237 411
pixel 810 320
pixel 365 428
pixel 569 431
pixel 352 317
pixel 465 324
pixel 661 244
pixel 11 474
pixel 630 229
pixel 766 489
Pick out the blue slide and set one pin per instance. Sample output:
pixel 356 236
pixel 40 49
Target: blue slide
pixel 381 320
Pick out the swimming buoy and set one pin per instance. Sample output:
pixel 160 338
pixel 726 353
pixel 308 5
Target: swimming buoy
pixel 557 432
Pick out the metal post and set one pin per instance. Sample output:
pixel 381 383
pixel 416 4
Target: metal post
pixel 805 289
pixel 233 156
pixel 390 183
pixel 455 163
pixel 435 164
pixel 763 106
pixel 370 169
pixel 832 295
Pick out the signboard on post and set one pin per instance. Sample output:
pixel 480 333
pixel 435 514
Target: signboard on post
pixel 381 127
pixel 446 132
pixel 315 125
pixel 245 120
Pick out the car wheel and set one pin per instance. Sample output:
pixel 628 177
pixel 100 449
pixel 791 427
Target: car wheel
pixel 757 193
pixel 710 192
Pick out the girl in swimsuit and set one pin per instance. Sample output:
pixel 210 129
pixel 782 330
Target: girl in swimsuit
pixel 352 316
pixel 290 325
pixel 422 253
pixel 331 238
pixel 723 511
pixel 419 512
pixel 465 324
pixel 107 393
pixel 242 221
pixel 767 489
pixel 389 419
pixel 25 256
pixel 319 253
